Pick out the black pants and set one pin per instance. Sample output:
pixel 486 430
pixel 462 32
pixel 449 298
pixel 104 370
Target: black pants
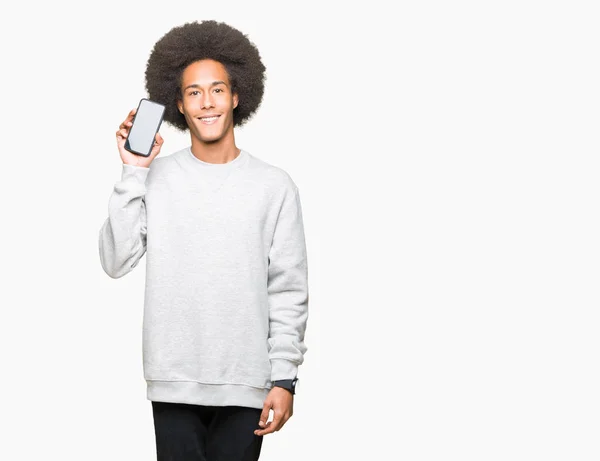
pixel 186 432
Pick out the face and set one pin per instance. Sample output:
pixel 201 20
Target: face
pixel 207 101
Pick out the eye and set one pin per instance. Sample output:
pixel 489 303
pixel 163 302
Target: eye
pixel 219 90
pixel 192 93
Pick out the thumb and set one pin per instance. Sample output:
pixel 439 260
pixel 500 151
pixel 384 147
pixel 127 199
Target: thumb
pixel 264 415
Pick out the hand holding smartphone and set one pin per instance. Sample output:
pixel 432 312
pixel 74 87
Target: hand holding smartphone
pixel 137 138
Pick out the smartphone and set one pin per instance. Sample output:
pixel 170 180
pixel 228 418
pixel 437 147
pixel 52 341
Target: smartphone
pixel 146 122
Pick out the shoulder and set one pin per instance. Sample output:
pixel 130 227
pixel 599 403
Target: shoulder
pixel 271 175
pixel 161 166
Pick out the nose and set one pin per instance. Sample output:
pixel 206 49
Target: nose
pixel 207 101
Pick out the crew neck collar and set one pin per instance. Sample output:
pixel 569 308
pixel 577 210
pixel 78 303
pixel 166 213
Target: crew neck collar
pixel 217 166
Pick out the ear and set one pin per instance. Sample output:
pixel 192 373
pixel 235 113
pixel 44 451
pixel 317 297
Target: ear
pixel 235 100
pixel 180 105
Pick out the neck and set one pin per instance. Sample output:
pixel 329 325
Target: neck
pixel 222 151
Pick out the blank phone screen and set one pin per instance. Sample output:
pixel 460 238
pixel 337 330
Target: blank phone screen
pixel 145 125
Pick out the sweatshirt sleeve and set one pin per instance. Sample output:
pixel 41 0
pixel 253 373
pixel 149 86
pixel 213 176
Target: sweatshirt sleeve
pixel 122 239
pixel 288 290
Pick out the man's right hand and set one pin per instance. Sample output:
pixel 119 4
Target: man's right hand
pixel 128 157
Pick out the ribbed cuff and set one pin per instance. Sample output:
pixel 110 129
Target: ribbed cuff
pixel 134 173
pixel 283 369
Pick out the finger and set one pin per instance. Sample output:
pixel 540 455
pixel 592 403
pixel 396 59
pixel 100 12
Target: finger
pixel 267 430
pixel 130 115
pixel 272 426
pixel 158 144
pixel 262 431
pixel 264 414
pixel 277 421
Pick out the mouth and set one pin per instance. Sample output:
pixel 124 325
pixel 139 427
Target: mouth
pixel 209 120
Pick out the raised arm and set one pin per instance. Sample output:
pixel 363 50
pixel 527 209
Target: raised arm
pixel 122 239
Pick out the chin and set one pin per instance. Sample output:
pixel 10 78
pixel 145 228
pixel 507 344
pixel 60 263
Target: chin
pixel 212 138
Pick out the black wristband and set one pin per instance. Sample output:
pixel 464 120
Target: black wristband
pixel 289 384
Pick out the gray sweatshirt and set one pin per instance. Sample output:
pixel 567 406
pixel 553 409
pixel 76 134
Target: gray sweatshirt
pixel 226 294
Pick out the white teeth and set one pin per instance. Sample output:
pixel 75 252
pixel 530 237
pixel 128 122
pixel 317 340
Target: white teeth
pixel 209 119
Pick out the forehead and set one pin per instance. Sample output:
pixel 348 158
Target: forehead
pixel 204 71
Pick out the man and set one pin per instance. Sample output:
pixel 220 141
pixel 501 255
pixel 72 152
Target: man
pixel 226 298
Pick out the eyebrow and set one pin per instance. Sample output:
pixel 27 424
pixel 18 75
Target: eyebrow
pixel 195 85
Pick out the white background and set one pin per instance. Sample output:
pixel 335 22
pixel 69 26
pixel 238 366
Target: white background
pixel 447 159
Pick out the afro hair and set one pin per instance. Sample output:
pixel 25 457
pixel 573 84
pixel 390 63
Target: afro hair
pixel 193 41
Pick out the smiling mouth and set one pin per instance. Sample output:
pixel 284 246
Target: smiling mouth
pixel 209 120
